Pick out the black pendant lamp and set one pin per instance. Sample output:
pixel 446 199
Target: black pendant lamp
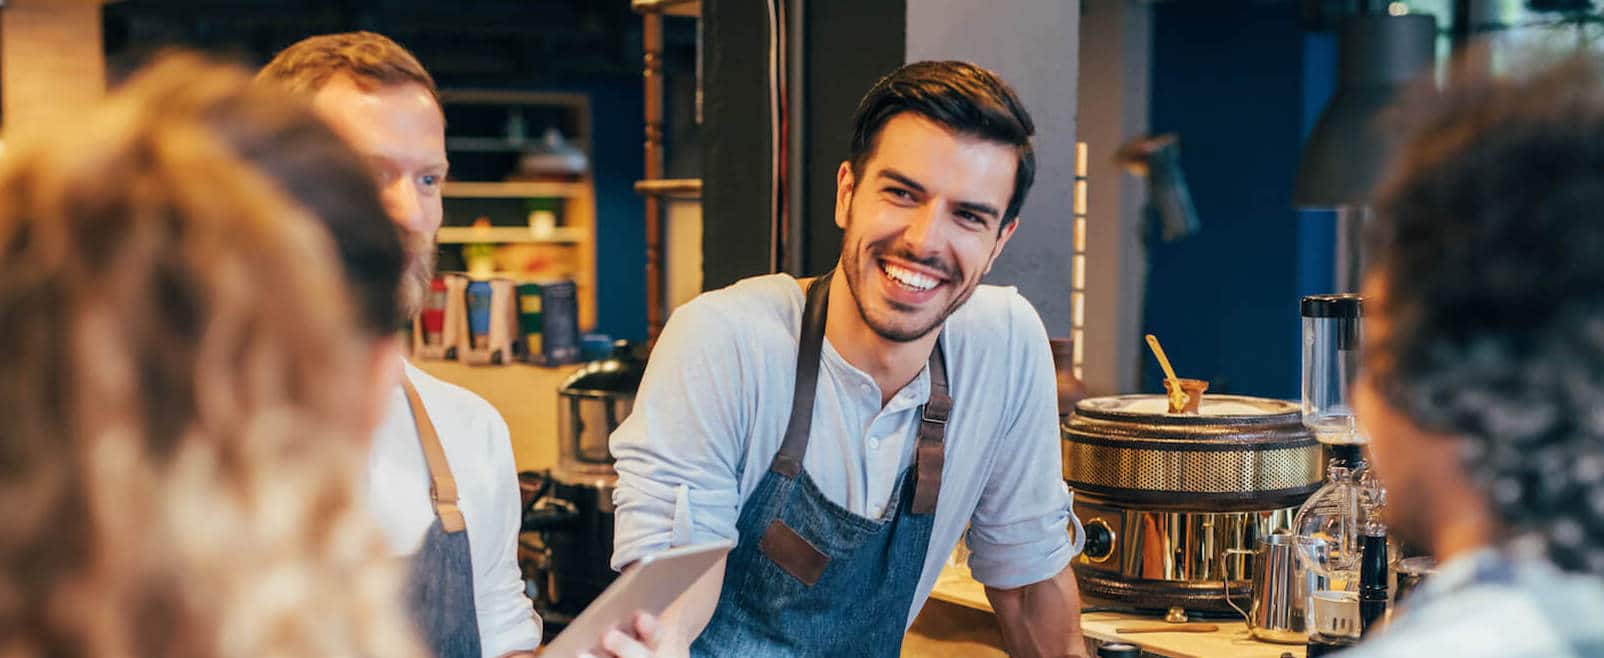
pixel 1377 56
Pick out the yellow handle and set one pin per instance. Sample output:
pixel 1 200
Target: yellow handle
pixel 1178 397
pixel 1163 361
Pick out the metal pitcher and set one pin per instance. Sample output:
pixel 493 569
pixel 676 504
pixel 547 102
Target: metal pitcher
pixel 1281 591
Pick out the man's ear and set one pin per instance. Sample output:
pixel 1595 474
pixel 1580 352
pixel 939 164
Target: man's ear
pixel 1002 240
pixel 845 184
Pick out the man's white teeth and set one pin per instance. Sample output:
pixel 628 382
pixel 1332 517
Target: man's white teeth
pixel 908 278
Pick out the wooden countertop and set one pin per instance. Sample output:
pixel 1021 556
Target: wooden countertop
pixel 1232 640
pixel 526 396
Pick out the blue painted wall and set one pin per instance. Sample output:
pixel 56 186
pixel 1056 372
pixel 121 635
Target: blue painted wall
pixel 616 117
pixel 1232 78
pixel 1317 229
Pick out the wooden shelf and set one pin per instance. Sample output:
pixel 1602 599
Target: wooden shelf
pixel 516 190
pixel 518 277
pixel 690 8
pixel 508 235
pixel 487 113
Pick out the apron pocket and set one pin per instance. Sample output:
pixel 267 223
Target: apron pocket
pixel 791 552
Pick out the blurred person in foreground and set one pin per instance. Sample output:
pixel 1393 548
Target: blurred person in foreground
pixel 182 396
pixel 1483 385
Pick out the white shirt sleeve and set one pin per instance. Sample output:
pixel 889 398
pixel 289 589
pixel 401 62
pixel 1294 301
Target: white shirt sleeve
pixel 507 620
pixel 679 453
pixel 1019 531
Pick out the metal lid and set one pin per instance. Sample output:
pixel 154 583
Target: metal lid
pixel 1345 305
pixel 620 373
pixel 1226 410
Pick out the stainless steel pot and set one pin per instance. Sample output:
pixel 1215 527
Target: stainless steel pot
pixel 1282 591
pixel 590 405
pixel 1165 498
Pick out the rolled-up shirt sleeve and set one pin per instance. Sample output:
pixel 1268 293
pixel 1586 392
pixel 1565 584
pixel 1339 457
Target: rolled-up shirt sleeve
pixel 1020 531
pixel 679 452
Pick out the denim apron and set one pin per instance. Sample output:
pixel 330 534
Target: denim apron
pixel 808 577
pixel 440 586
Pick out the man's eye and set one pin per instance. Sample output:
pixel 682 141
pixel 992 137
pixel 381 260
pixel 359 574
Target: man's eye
pixel 429 180
pixel 899 193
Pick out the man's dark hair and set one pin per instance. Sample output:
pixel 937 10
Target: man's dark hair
pixel 279 134
pixel 1490 243
pixel 371 60
pixel 962 97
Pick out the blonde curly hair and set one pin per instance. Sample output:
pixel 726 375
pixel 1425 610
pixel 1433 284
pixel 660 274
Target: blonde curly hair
pixel 178 459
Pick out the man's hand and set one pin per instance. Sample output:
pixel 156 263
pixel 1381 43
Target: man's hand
pixel 1041 619
pixel 639 639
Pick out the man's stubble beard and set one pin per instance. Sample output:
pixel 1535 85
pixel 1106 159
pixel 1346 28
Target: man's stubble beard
pixel 419 273
pixel 851 263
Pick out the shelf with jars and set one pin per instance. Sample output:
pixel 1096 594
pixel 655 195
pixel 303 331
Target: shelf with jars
pixel 520 202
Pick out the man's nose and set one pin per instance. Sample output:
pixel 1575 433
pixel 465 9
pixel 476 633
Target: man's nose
pixel 401 201
pixel 924 229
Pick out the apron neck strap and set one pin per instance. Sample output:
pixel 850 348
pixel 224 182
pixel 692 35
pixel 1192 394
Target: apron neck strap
pixel 789 461
pixel 442 487
pixel 932 435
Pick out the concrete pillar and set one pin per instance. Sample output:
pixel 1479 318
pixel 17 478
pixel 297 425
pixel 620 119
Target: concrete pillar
pixel 1114 84
pixel 1035 47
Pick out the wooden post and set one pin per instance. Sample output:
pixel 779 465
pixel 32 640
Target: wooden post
pixel 652 44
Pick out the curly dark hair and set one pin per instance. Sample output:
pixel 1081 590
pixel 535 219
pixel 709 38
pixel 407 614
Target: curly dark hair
pixel 966 98
pixel 1491 246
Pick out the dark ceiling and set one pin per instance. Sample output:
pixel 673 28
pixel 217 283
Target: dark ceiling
pixel 531 43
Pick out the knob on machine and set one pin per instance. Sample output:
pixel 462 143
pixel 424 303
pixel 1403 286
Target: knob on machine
pixel 1099 541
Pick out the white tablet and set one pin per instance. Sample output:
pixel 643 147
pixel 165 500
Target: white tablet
pixel 649 585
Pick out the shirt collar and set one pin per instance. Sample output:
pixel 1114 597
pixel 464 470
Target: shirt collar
pixel 915 393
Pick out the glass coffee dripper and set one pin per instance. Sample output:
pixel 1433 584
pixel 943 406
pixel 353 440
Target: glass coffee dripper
pixel 1330 524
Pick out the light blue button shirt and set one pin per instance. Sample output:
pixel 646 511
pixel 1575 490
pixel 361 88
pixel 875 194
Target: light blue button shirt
pixel 1487 605
pixel 711 412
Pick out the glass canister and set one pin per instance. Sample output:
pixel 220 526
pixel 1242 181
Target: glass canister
pixel 1332 336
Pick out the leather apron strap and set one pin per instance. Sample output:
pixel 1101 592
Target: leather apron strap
pixel 795 445
pixel 932 435
pixel 442 487
pixel 932 416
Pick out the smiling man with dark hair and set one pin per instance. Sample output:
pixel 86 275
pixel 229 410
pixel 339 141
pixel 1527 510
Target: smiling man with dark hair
pixel 847 429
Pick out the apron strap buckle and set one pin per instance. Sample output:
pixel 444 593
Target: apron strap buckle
pixel 936 410
pixel 931 456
